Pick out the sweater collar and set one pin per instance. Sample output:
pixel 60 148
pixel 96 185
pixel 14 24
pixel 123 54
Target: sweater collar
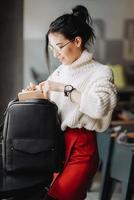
pixel 84 59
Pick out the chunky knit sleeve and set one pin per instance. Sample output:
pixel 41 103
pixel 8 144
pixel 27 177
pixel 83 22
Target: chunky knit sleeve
pixel 99 97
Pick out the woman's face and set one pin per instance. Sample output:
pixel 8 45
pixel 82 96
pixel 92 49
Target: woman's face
pixel 64 50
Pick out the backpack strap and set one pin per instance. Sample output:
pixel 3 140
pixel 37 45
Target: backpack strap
pixel 4 114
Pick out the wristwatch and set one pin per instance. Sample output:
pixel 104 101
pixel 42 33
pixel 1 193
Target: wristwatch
pixel 68 89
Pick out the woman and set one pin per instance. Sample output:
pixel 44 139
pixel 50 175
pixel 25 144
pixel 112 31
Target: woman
pixel 85 94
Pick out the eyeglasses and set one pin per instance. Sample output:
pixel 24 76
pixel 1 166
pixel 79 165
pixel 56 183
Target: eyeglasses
pixel 58 48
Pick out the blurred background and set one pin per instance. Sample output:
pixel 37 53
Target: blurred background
pixel 24 23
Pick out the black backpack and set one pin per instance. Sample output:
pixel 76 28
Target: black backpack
pixel 32 137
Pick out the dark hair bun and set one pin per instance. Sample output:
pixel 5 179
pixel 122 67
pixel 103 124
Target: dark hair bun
pixel 82 13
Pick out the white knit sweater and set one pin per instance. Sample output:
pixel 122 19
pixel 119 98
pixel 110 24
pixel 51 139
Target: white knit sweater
pixel 98 94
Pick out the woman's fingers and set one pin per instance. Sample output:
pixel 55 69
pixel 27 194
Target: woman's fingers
pixel 38 87
pixel 44 87
pixel 41 85
pixel 30 87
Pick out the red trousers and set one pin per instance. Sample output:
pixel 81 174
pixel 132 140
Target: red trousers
pixel 81 162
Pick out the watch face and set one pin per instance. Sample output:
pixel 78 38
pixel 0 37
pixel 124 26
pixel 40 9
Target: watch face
pixel 69 87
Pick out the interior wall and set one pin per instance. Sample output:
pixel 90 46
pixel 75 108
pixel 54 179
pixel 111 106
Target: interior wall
pixel 11 50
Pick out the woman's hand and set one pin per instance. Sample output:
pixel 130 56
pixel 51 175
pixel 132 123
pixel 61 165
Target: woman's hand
pixel 47 86
pixel 34 88
pixel 32 91
pixel 30 87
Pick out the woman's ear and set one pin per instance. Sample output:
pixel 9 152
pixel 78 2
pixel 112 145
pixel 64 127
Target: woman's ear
pixel 78 41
